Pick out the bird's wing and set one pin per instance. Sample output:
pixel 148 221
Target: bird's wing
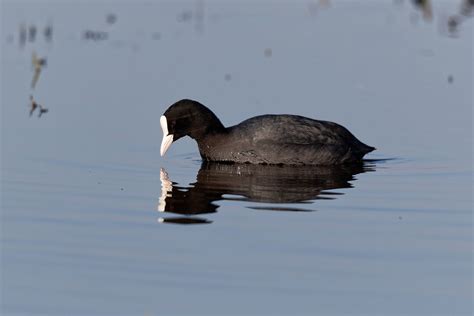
pixel 298 130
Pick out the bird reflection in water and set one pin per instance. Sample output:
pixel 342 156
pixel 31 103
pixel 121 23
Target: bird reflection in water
pixel 272 185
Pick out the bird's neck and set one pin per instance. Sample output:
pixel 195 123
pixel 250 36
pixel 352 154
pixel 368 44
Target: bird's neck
pixel 206 127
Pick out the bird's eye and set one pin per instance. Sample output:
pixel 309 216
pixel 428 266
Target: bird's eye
pixel 171 126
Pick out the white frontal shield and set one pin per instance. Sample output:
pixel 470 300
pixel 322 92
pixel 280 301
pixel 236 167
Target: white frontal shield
pixel 167 139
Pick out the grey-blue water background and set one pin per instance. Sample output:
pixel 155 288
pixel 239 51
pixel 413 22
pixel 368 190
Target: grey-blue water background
pixel 80 231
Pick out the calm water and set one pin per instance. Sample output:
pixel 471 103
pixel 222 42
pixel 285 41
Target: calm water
pixel 95 222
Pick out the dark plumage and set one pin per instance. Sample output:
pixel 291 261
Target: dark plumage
pixel 265 139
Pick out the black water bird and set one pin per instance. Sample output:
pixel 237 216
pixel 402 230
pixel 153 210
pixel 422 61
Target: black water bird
pixel 265 139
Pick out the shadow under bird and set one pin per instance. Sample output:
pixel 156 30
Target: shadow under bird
pixel 266 139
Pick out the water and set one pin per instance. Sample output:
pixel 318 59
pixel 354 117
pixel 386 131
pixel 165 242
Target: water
pixel 83 185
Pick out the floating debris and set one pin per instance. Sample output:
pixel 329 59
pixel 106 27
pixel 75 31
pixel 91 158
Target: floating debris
pixel 42 110
pixel 228 77
pixel 268 52
pixel 38 64
pixel 185 16
pixel 111 18
pixel 453 25
pixel 467 8
pixel 95 35
pixel 450 79
pixel 34 105
pixel 425 7
pixel 23 35
pixel 32 33
pixel 48 32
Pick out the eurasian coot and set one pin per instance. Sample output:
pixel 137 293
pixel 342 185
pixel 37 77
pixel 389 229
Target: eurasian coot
pixel 265 139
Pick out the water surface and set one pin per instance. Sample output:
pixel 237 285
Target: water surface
pixel 83 230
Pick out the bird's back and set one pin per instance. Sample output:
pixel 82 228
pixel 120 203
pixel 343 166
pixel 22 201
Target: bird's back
pixel 296 139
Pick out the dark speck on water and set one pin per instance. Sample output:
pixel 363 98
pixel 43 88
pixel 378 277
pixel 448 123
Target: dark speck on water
pixel 48 33
pixel 268 52
pixel 111 18
pixel 453 23
pixel 22 35
pixel 467 8
pixel 185 16
pixel 31 33
pixel 42 111
pixel 95 35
